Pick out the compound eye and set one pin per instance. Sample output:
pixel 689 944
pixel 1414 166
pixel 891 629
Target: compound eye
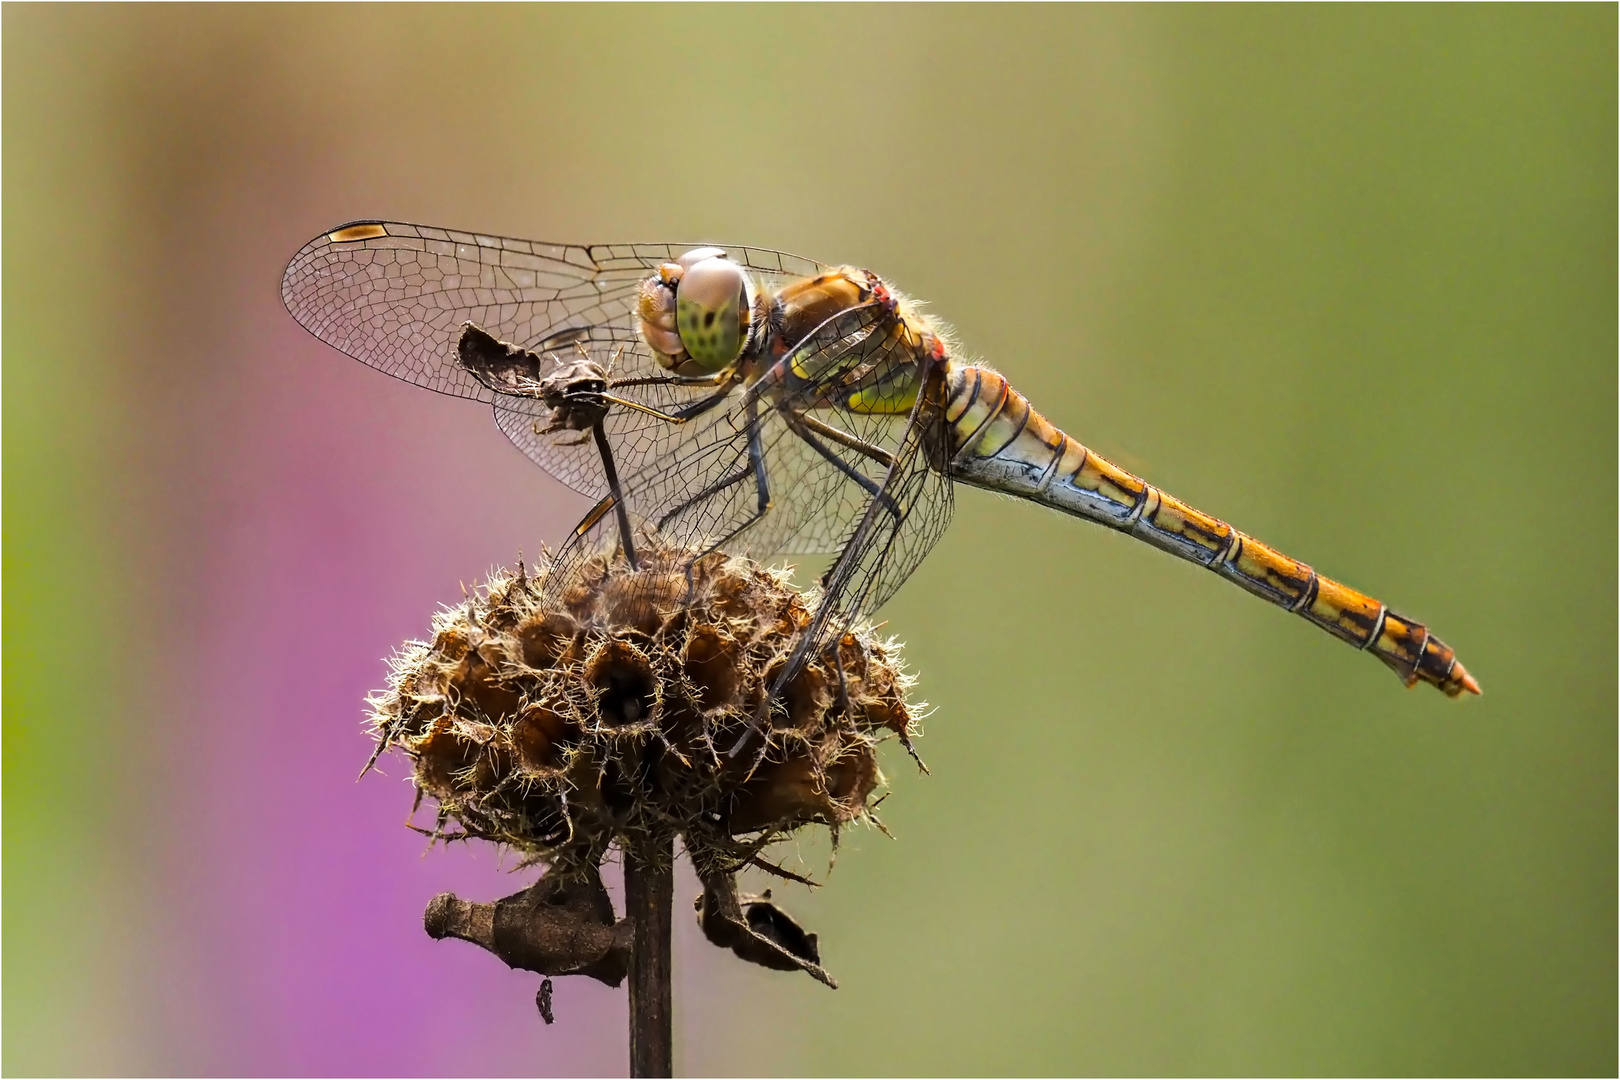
pixel 711 311
pixel 697 255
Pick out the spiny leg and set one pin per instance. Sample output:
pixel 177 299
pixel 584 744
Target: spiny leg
pixel 756 468
pixel 719 378
pixel 796 421
pixel 844 438
pixel 722 382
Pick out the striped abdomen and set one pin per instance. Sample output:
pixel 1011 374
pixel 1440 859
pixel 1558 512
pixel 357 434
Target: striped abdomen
pixel 999 442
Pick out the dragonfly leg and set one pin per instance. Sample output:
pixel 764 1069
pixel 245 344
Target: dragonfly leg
pixel 719 378
pixel 866 483
pixel 844 438
pixel 754 468
pixel 679 416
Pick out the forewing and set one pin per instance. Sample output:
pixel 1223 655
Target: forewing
pixel 395 295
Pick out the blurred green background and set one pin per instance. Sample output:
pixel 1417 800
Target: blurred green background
pixel 1344 276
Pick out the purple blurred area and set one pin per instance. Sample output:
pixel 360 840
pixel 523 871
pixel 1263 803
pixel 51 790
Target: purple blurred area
pixel 308 513
pixel 274 518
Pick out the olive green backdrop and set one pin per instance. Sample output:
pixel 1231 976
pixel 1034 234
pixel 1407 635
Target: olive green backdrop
pixel 1343 276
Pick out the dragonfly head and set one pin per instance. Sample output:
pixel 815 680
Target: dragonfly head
pixel 696 313
pixel 712 309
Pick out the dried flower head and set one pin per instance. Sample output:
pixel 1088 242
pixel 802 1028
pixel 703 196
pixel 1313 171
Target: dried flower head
pixel 563 721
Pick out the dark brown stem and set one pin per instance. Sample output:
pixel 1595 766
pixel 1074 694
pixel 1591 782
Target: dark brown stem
pixel 649 888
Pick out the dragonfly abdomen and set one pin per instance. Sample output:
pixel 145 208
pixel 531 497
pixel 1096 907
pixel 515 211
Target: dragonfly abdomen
pixel 999 441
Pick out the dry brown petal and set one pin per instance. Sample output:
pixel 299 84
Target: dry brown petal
pixel 712 665
pixel 539 737
pixel 625 684
pixel 547 639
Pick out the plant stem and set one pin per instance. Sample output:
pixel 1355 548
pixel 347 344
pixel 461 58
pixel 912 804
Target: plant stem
pixel 649 888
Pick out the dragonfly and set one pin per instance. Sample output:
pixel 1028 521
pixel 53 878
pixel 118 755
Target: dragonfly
pixel 724 397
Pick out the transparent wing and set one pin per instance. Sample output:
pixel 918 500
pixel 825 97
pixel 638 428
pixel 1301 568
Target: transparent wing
pixel 881 516
pixel 636 438
pixel 761 480
pixel 750 481
pixel 885 532
pixel 395 296
pixel 899 537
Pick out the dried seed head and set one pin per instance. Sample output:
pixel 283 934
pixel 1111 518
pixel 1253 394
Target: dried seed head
pixel 563 725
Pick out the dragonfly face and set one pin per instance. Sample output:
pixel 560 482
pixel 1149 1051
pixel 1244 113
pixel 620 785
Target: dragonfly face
pixel 696 312
pixel 713 310
pixel 765 403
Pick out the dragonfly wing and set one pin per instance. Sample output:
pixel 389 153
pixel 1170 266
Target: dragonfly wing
pixel 822 461
pixel 395 295
pixel 636 437
pixel 746 479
